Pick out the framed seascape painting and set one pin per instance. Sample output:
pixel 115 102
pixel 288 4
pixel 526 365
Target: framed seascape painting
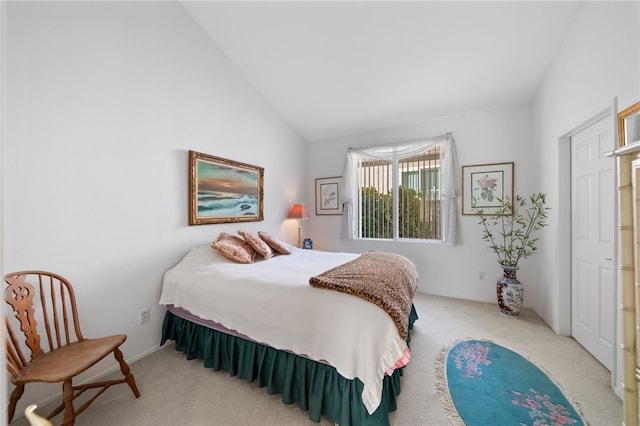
pixel 328 196
pixel 222 191
pixel 483 185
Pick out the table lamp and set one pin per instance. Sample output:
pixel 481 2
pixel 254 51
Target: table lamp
pixel 299 212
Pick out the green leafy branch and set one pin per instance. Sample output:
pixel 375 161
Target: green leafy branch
pixel 511 228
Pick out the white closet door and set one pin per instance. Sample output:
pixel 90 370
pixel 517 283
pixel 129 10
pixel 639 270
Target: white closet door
pixel 592 241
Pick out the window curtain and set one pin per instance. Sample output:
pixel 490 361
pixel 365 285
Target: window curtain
pixel 450 186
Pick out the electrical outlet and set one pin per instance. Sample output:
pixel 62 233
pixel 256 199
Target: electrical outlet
pixel 481 276
pixel 144 315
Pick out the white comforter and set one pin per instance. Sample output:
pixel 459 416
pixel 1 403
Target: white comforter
pixel 272 302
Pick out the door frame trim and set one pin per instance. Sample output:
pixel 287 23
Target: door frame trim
pixel 564 230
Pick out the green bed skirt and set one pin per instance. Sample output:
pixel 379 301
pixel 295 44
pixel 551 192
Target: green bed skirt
pixel 316 387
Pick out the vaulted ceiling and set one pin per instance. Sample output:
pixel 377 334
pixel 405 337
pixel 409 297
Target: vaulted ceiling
pixel 332 68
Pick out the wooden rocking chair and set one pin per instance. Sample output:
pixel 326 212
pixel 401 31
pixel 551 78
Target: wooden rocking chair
pixel 44 304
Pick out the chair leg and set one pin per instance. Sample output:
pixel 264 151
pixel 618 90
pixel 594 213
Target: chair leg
pixel 67 400
pixel 124 367
pixel 13 400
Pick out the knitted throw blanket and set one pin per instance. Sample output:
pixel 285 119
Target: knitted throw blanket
pixel 386 279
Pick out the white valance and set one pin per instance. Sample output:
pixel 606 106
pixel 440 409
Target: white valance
pixel 450 186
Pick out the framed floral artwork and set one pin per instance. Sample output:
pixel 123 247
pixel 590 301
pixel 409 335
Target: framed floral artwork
pixel 484 184
pixel 328 196
pixel 222 191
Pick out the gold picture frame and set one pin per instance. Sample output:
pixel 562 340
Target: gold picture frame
pixel 483 184
pixel 629 125
pixel 224 191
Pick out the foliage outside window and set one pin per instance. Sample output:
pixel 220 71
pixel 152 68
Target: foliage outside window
pixel 401 199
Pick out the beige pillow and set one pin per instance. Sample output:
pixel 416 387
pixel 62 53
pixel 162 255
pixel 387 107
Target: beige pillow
pixel 274 243
pixel 234 248
pixel 257 243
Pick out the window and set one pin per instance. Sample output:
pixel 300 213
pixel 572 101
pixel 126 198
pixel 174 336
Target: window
pixel 415 183
pixel 406 191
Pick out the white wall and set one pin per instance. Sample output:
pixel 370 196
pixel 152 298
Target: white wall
pixel 599 62
pixel 103 101
pixel 492 136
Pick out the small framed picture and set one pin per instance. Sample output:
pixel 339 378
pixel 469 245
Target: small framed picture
pixel 483 185
pixel 328 196
pixel 629 125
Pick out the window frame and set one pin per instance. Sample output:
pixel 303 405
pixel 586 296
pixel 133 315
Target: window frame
pixel 450 186
pixel 396 183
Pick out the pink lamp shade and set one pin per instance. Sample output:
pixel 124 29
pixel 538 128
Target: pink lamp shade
pixel 298 211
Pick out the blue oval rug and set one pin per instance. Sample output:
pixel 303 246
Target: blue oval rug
pixel 483 383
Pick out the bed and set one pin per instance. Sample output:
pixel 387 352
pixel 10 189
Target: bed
pixel 334 354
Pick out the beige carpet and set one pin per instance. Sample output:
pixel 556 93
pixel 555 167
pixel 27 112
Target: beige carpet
pixel 179 392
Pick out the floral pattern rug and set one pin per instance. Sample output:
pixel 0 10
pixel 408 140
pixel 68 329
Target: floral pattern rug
pixel 482 383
